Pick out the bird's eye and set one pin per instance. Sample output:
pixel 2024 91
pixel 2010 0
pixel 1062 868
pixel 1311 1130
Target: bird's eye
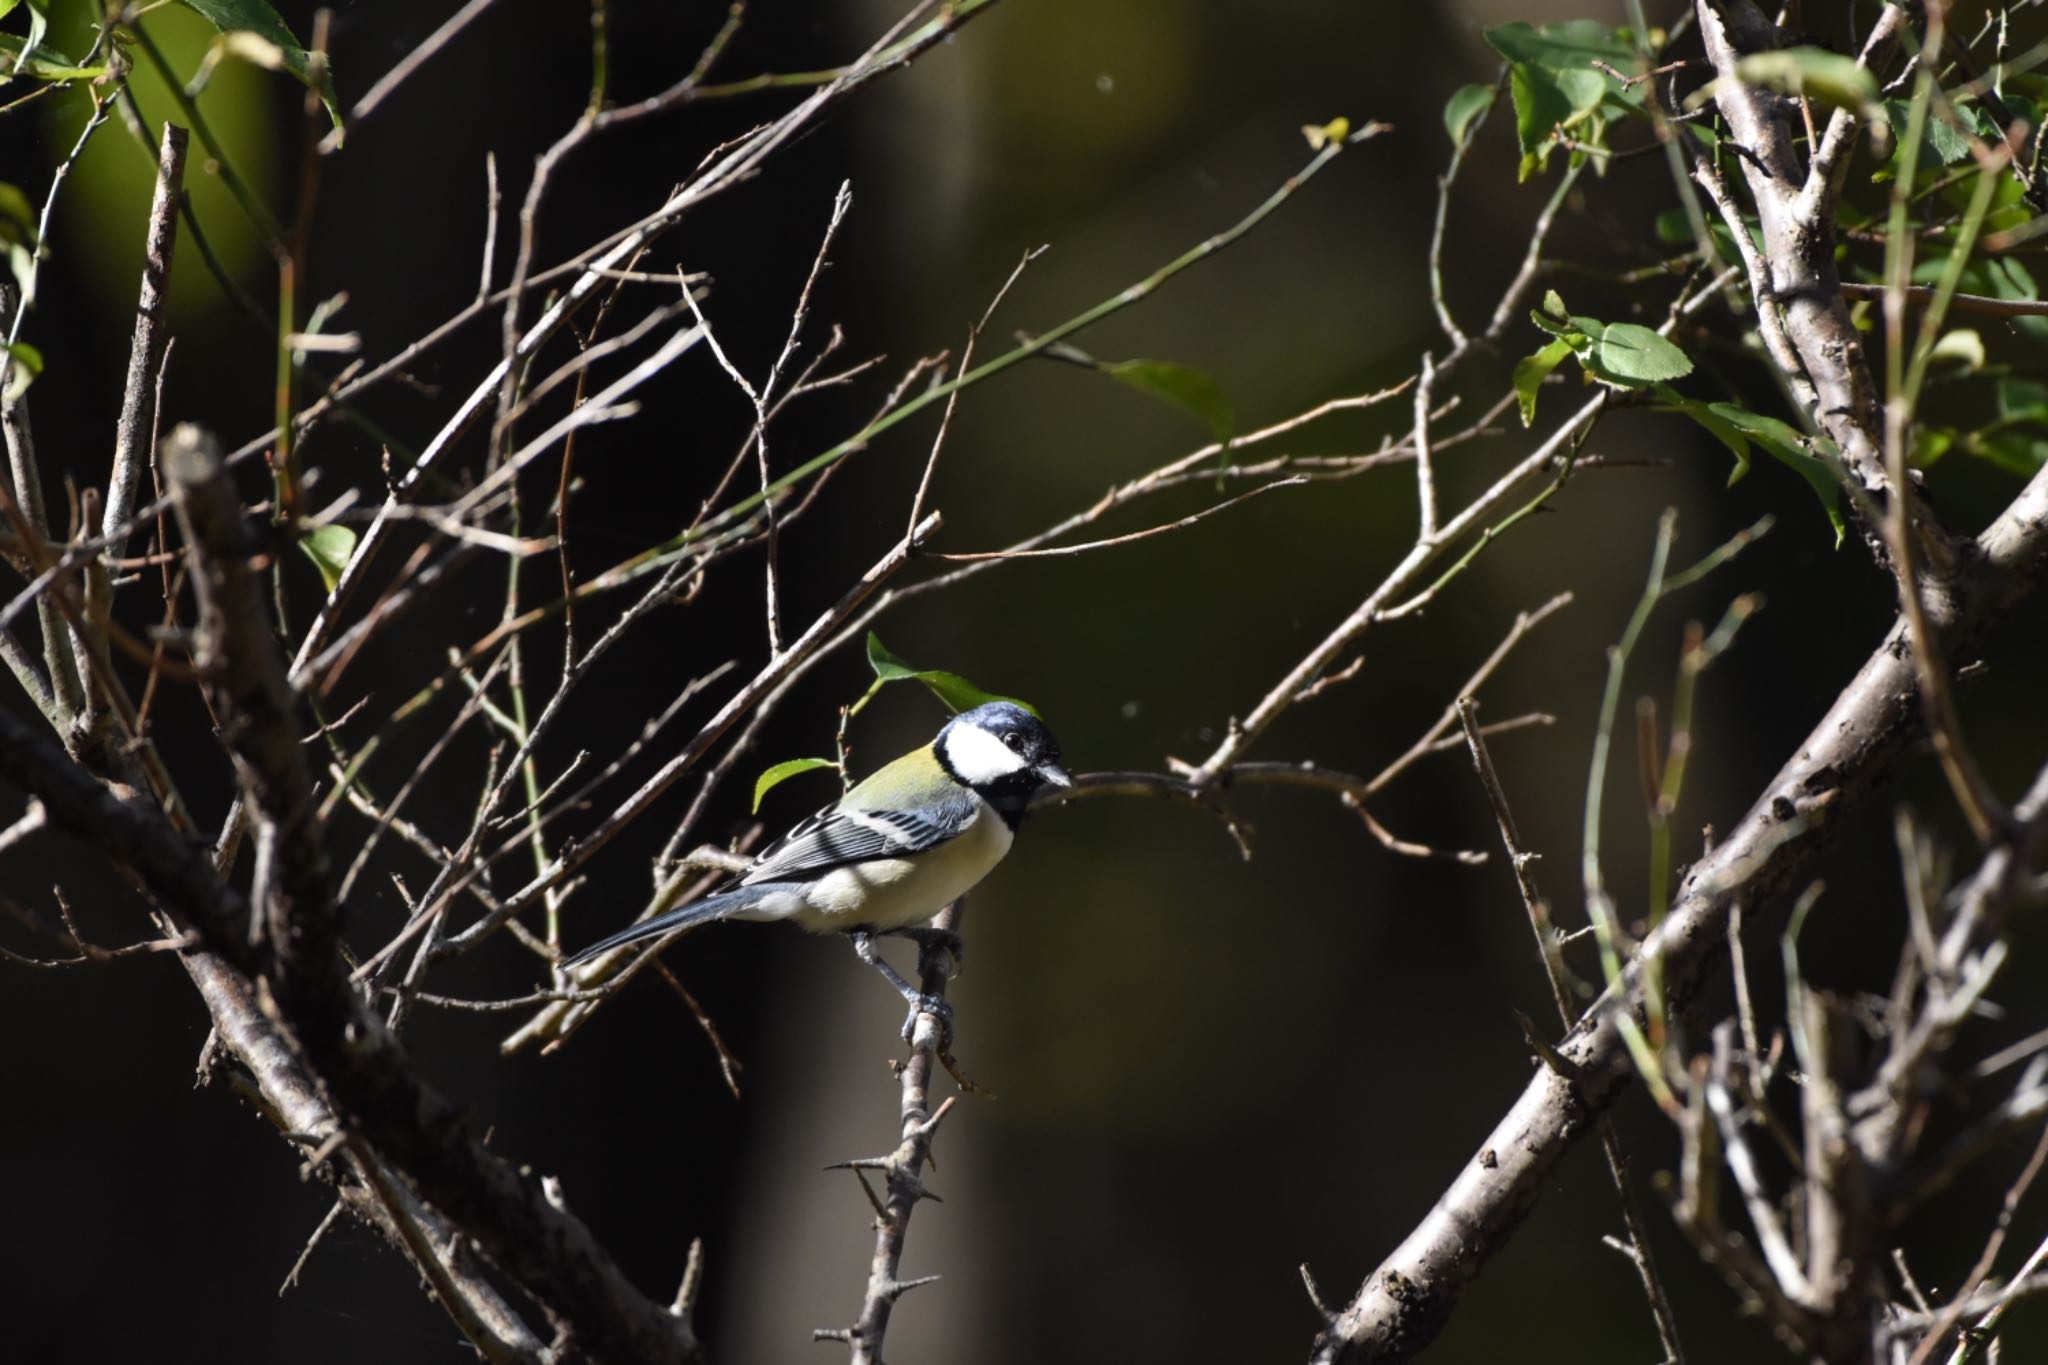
pixel 1014 740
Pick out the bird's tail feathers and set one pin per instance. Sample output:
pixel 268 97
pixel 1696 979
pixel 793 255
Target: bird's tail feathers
pixel 721 906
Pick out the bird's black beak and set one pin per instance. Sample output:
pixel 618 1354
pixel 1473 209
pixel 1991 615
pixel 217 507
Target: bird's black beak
pixel 1053 775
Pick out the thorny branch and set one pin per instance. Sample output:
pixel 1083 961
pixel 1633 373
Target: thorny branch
pixel 902 1169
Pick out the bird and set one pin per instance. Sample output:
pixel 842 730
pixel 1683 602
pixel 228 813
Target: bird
pixel 900 846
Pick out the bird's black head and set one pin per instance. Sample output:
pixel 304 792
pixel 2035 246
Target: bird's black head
pixel 1003 752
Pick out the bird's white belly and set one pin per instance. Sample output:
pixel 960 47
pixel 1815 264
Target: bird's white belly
pixel 891 893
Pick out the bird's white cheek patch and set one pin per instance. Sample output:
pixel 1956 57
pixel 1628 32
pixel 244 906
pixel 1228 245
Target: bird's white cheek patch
pixel 979 757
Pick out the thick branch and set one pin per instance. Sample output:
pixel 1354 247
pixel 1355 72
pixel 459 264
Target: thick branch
pixel 1799 279
pixel 243 672
pixel 289 1091
pixel 1403 1305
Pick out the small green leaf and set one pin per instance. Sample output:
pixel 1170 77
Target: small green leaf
pixel 955 691
pixel 1930 444
pixel 42 61
pixel 2015 452
pixel 1583 90
pixel 888 668
pixel 1466 105
pixel 1553 319
pixel 2022 400
pixel 1633 355
pixel 784 770
pixel 1784 444
pixel 17 215
pixel 1573 43
pixel 2008 278
pixel 1532 370
pixel 257 17
pixel 1182 385
pixel 329 547
pixel 1542 106
pixel 1674 228
pixel 38 24
pixel 27 363
pixel 1828 77
pixel 1718 427
pixel 2019 279
pixel 1946 142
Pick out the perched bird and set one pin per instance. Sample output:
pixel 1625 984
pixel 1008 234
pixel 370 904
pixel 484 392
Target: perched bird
pixel 914 837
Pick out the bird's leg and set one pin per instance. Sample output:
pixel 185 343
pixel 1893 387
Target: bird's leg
pixel 930 940
pixel 920 1003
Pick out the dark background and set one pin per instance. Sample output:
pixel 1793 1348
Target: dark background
pixel 1209 1070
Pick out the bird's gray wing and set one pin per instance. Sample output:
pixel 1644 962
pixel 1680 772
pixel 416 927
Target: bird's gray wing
pixel 834 838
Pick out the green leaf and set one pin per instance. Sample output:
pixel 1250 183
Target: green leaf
pixel 888 668
pixel 1632 355
pixel 43 62
pixel 329 547
pixel 2021 280
pixel 2008 278
pixel 1553 319
pixel 1532 370
pixel 1946 142
pixel 257 17
pixel 1573 43
pixel 1623 354
pixel 2022 400
pixel 1467 104
pixel 959 694
pixel 1183 386
pixel 1724 431
pixel 1674 228
pixel 1786 445
pixel 1547 99
pixel 1828 77
pixel 955 691
pixel 1930 444
pixel 1555 85
pixel 38 22
pixel 27 364
pixel 2015 452
pixel 784 770
pixel 17 215
pixel 1583 90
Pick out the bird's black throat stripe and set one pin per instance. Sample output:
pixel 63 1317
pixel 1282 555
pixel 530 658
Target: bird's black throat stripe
pixel 1010 795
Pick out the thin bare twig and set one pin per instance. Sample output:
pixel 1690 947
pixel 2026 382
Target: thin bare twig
pixel 1058 551
pixel 931 463
pixel 135 431
pixel 1637 1247
pixel 406 66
